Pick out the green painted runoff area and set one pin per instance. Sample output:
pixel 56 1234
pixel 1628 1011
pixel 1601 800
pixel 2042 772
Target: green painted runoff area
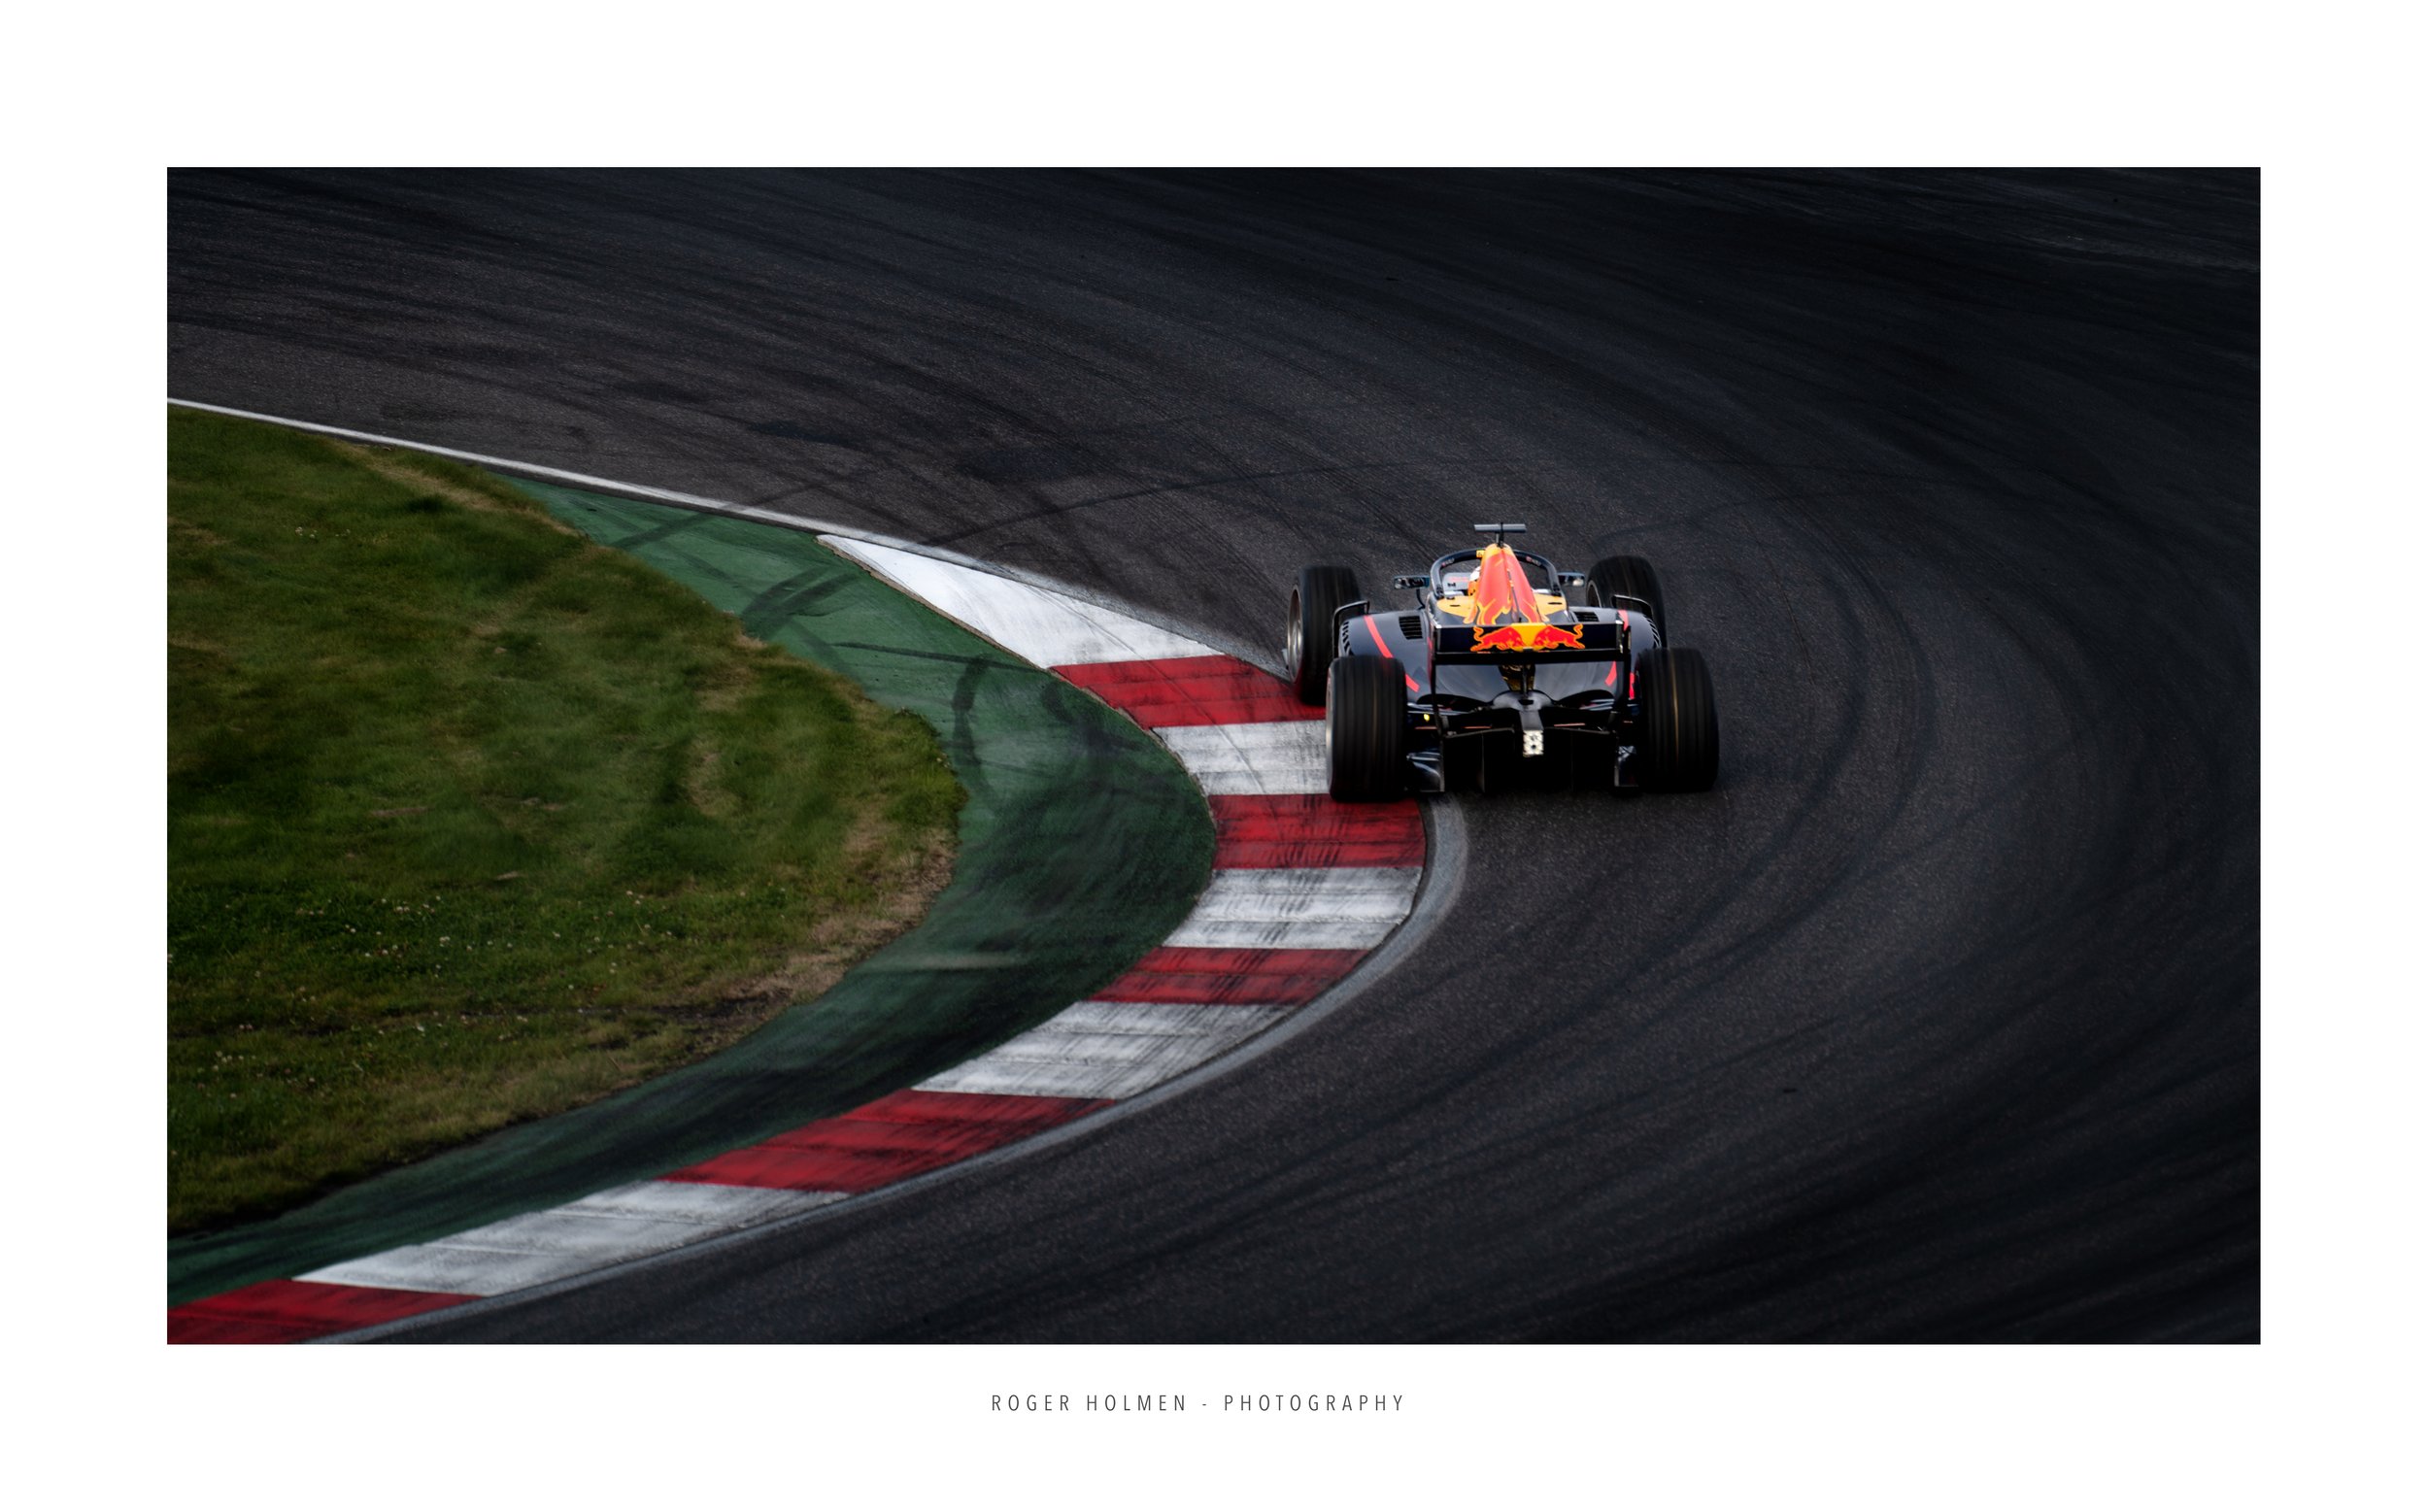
pixel 1082 846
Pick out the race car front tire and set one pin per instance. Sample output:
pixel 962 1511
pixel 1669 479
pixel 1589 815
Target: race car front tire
pixel 1312 639
pixel 1630 577
pixel 1365 724
pixel 1679 721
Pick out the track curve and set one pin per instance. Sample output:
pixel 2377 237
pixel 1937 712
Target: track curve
pixel 1938 1019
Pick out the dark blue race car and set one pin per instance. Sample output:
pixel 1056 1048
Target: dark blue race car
pixel 1504 672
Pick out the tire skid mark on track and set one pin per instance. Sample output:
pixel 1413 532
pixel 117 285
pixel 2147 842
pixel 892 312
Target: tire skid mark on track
pixel 1303 889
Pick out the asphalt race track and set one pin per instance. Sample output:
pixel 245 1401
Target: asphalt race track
pixel 1938 1019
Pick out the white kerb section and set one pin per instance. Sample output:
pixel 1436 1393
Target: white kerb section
pixel 1281 758
pixel 602 1229
pixel 1048 628
pixel 1108 1049
pixel 1300 908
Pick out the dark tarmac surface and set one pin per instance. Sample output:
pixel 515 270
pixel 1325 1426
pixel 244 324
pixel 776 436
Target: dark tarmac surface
pixel 1938 1019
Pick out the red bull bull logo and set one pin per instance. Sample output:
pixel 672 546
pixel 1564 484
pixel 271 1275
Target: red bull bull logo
pixel 1529 637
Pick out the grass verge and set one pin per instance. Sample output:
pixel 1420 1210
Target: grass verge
pixel 472 820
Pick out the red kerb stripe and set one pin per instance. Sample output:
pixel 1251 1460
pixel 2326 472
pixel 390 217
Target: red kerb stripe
pixel 284 1312
pixel 1195 974
pixel 1189 691
pixel 1310 830
pixel 896 1136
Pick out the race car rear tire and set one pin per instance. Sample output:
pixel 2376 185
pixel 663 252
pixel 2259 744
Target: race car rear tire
pixel 1366 726
pixel 1680 727
pixel 1631 577
pixel 1310 643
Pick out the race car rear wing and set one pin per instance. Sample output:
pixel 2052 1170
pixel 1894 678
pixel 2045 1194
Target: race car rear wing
pixel 1591 641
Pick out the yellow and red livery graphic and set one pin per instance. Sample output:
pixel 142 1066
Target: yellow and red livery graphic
pixel 1529 637
pixel 1499 590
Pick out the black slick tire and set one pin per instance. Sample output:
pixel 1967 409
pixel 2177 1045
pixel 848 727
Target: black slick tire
pixel 1679 721
pixel 1365 724
pixel 1630 577
pixel 1310 643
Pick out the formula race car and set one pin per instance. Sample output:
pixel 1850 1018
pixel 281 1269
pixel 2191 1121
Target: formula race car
pixel 1506 672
